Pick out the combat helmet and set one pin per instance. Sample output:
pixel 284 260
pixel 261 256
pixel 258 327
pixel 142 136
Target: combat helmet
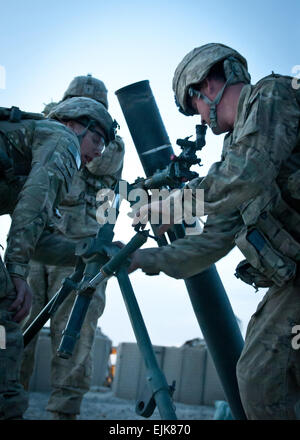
pixel 89 87
pixel 48 108
pixel 88 112
pixel 195 67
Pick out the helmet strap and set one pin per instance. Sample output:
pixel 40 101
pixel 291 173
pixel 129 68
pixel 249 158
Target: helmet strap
pixel 81 135
pixel 212 104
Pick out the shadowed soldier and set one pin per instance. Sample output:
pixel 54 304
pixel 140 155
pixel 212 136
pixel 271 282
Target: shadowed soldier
pixel 39 159
pixel 71 378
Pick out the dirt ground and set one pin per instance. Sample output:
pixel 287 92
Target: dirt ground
pixel 101 404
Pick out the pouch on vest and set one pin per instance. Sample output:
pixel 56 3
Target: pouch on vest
pixel 262 255
pixel 13 166
pixel 10 184
pixel 249 275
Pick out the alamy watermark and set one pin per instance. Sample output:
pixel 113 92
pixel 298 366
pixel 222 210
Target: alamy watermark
pixel 2 77
pixel 179 205
pixel 2 338
pixel 296 339
pixel 296 78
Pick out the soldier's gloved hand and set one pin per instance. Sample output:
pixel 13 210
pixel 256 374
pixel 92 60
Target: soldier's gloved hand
pixel 154 212
pixel 119 244
pixel 22 303
pixel 137 262
pixel 134 261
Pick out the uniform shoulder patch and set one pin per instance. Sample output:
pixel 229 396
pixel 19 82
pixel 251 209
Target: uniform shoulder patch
pixel 73 150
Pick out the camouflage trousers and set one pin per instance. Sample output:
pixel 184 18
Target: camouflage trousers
pixel 268 370
pixel 13 398
pixel 70 378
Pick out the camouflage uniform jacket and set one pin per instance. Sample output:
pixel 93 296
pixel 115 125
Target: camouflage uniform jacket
pixel 78 209
pixel 49 154
pixel 260 157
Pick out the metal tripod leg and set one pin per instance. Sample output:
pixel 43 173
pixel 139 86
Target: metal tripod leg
pixel 69 284
pixel 72 331
pixel 161 392
pixel 155 377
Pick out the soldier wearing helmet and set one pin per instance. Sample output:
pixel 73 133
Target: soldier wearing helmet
pixel 48 107
pixel 91 122
pixel 208 62
pixel 44 155
pixel 71 378
pixel 252 202
pixel 89 87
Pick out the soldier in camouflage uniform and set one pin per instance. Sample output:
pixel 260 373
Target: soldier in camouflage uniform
pixel 49 107
pixel 251 197
pixel 70 378
pixel 38 159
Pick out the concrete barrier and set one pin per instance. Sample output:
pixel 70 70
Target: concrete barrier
pixel 197 382
pixel 40 379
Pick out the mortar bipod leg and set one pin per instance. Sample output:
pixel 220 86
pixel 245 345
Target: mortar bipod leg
pixel 68 285
pixel 156 379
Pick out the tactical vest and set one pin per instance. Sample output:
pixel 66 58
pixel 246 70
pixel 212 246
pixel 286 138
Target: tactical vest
pixel 270 243
pixel 270 239
pixel 16 131
pixel 78 209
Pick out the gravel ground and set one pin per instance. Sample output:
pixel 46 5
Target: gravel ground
pixel 101 404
